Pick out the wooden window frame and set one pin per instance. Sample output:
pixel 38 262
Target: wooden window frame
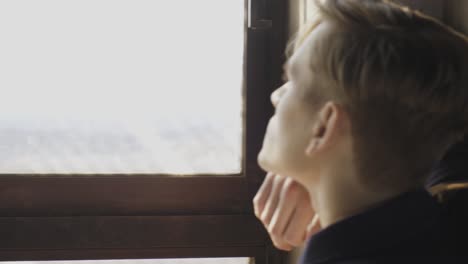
pixel 54 217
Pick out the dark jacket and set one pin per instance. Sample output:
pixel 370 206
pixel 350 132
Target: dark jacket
pixel 411 228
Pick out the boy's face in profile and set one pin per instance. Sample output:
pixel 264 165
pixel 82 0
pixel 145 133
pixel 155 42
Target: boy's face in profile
pixel 289 131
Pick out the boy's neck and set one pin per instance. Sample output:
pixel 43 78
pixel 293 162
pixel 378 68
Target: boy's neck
pixel 336 197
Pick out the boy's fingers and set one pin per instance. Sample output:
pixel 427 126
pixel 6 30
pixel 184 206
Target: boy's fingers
pixel 297 227
pixel 262 195
pixel 314 227
pixel 272 201
pixel 284 208
pixel 280 244
pixel 287 203
pixel 284 211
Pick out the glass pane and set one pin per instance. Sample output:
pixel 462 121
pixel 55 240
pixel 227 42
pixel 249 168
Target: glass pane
pixel 144 261
pixel 121 86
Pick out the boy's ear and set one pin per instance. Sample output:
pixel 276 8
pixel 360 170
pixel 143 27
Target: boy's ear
pixel 324 129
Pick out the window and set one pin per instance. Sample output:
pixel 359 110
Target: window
pixel 100 165
pixel 124 94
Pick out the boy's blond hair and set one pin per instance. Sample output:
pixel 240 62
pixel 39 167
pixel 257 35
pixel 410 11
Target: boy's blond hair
pixel 403 78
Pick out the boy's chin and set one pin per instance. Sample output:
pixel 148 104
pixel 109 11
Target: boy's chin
pixel 263 162
pixel 266 162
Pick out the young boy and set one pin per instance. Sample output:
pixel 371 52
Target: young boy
pixel 375 95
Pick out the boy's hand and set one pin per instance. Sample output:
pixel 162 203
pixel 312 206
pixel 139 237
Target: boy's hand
pixel 284 207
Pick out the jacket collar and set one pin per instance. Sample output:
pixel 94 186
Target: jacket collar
pixel 386 225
